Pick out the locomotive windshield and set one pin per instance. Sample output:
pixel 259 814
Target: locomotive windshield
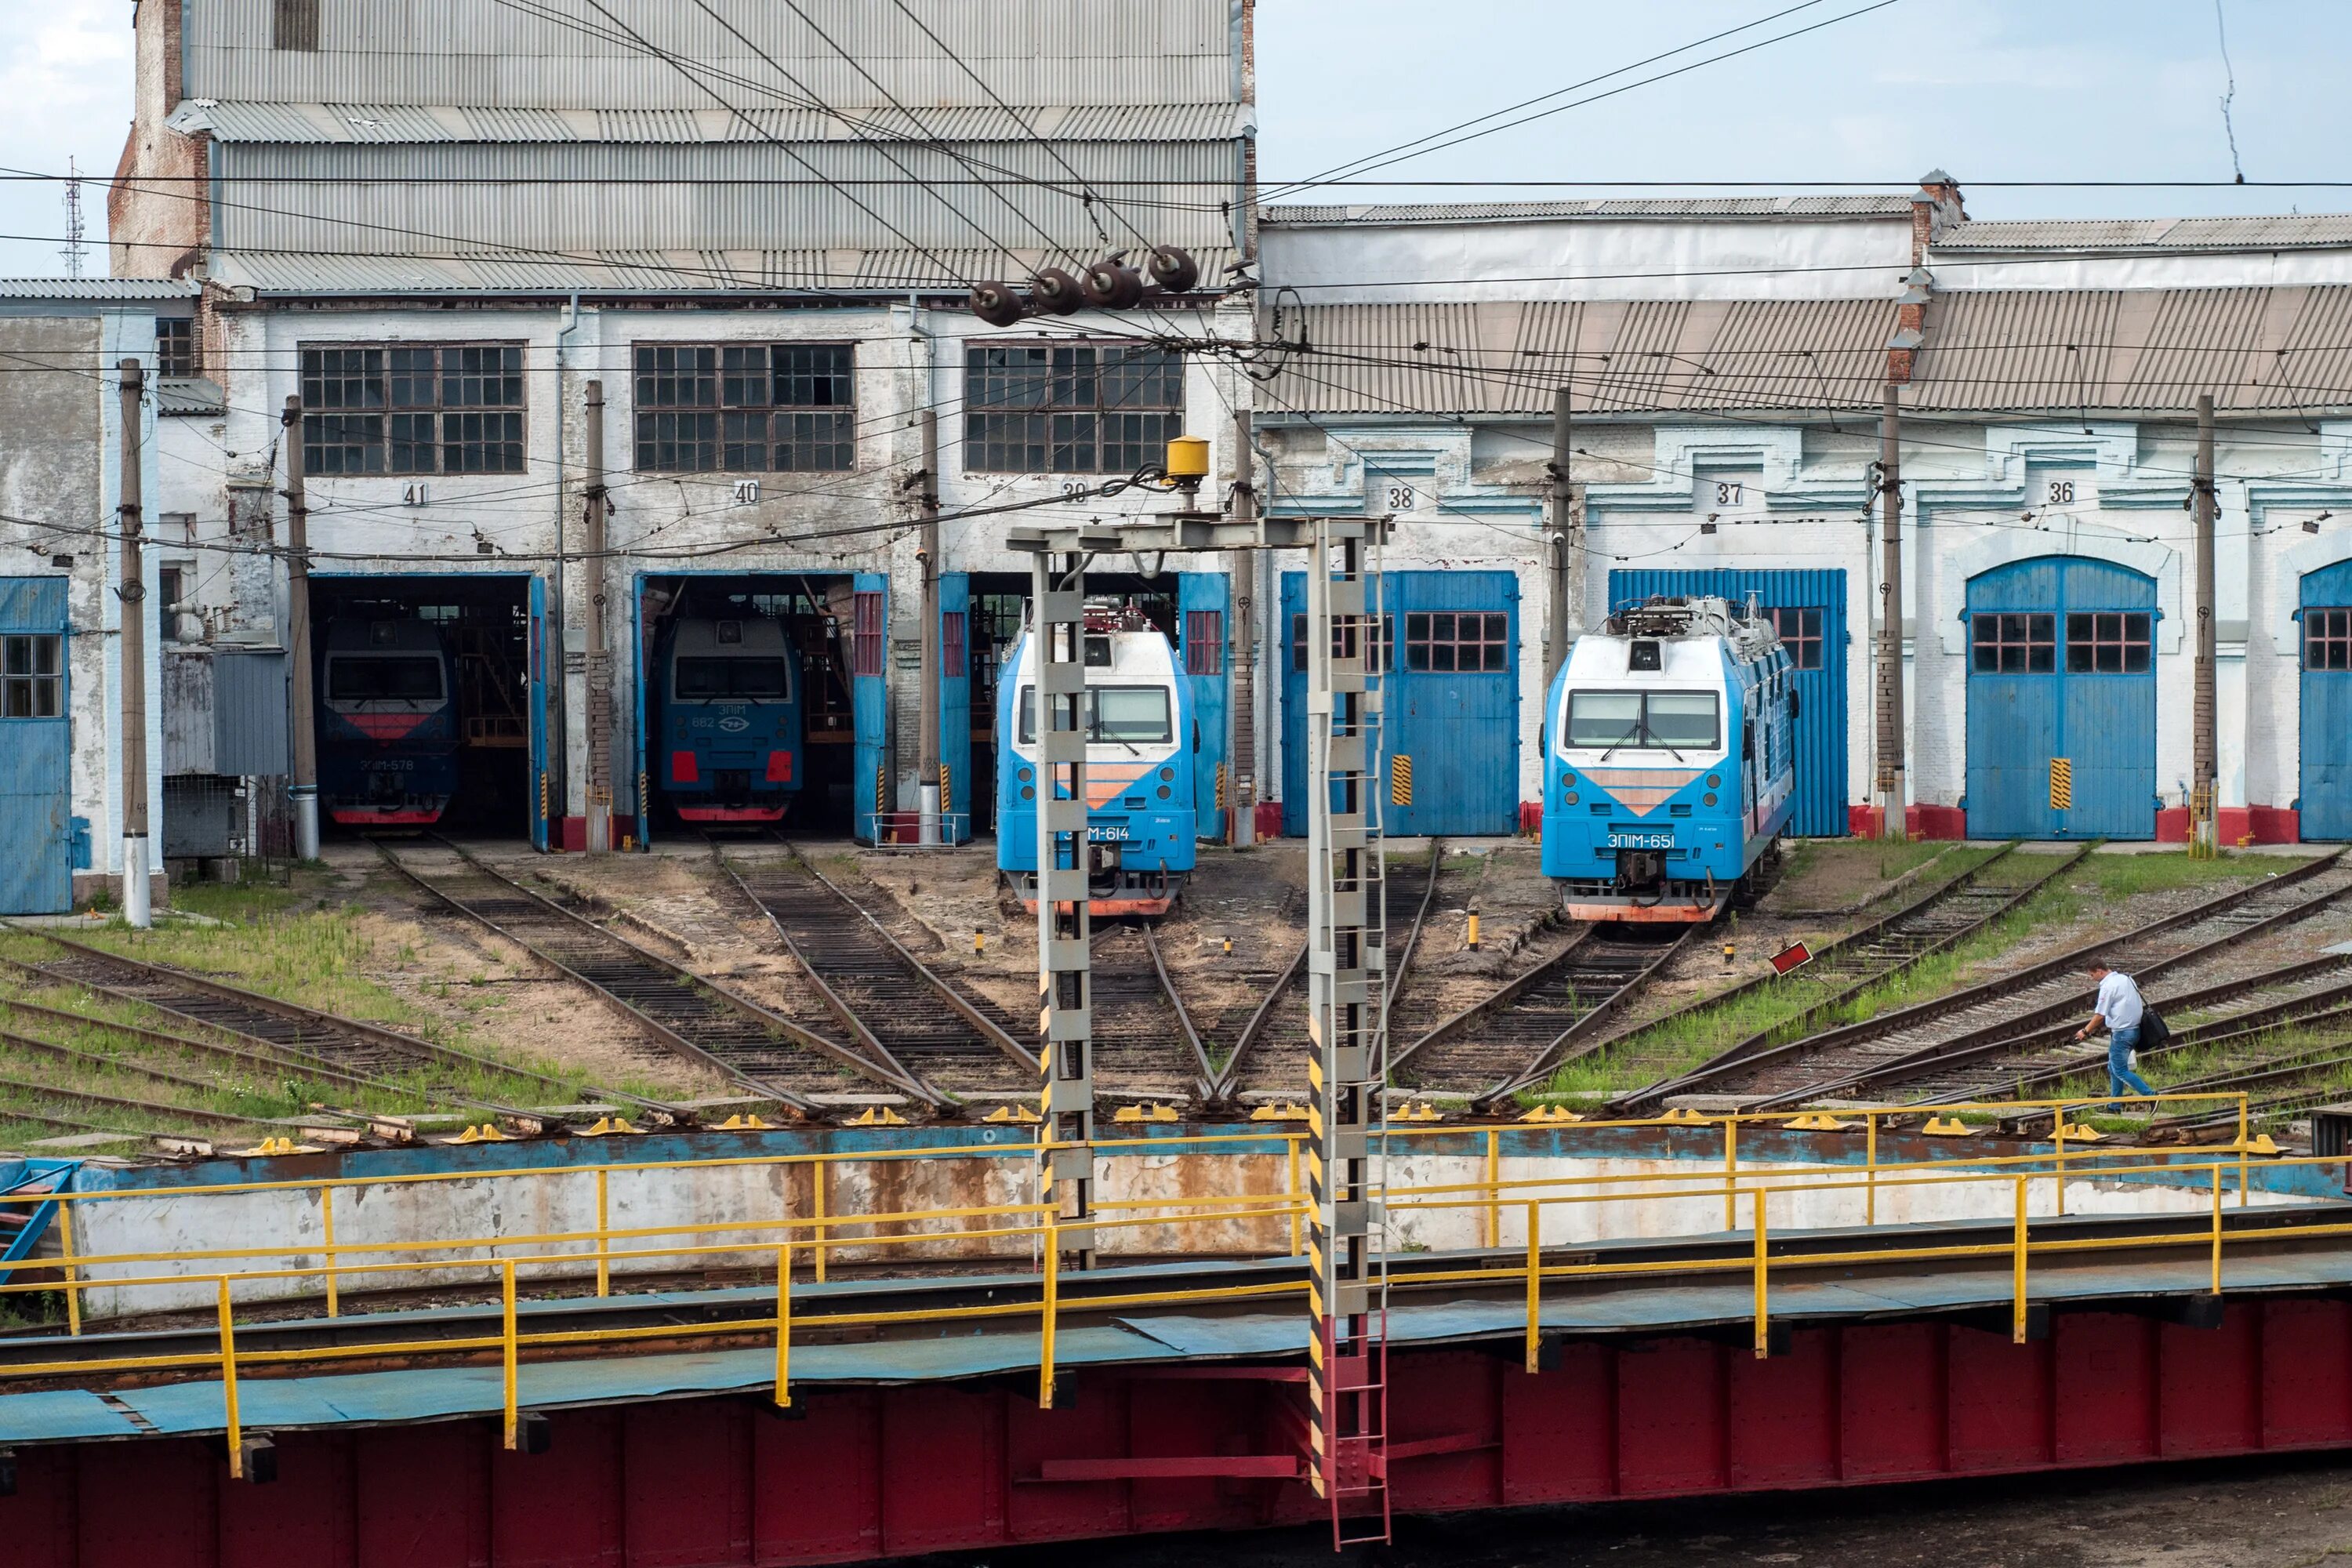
pixel 1678 720
pixel 728 678
pixel 1132 715
pixel 380 676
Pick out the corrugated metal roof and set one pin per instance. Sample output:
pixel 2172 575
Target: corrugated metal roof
pixel 1762 207
pixel 465 52
pixel 246 121
pixel 868 271
pixel 1617 355
pixel 2294 230
pixel 105 289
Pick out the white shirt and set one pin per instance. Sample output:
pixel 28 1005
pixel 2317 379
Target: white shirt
pixel 2119 1002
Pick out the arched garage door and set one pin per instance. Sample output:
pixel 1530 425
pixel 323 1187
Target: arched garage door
pixel 2326 740
pixel 2061 671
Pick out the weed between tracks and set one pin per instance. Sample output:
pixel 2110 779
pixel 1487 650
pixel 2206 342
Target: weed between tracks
pixel 2094 895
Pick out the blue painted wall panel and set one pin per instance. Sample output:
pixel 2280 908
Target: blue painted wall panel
pixel 955 705
pixel 1459 727
pixel 2103 723
pixel 2326 784
pixel 1202 593
pixel 1820 729
pixel 36 767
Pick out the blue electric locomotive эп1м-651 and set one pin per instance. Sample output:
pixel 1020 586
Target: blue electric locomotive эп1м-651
pixel 1669 770
pixel 730 719
pixel 387 722
pixel 1139 743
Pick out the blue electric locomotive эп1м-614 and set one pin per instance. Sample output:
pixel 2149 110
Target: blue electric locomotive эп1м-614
pixel 387 722
pixel 1139 743
pixel 1669 770
pixel 730 719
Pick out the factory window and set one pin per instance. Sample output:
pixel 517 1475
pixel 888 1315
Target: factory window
pixel 865 636
pixel 1801 633
pixel 29 687
pixel 2012 644
pixel 1070 408
pixel 951 654
pixel 175 346
pixel 1376 663
pixel 1458 641
pixel 2327 640
pixel 2109 642
pixel 746 408
pixel 1204 642
pixel 452 409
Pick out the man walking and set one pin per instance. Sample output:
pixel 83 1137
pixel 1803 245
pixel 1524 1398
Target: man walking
pixel 2118 1011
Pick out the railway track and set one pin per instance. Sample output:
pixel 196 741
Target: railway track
pixel 1936 921
pixel 1520 1031
pixel 1270 1053
pixel 896 1007
pixel 1927 1046
pixel 302 1039
pixel 1144 1041
pixel 698 1018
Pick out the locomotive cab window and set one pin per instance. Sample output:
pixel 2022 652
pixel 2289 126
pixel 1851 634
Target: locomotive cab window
pixel 383 678
pixel 1676 720
pixel 730 677
pixel 1113 715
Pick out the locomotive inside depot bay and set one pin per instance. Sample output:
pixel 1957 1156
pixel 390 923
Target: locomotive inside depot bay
pixel 1669 769
pixel 1141 740
pixel 387 721
pixel 730 718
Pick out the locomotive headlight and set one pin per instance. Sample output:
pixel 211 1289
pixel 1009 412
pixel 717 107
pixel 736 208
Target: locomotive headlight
pixel 1568 799
pixel 1169 774
pixel 1713 780
pixel 1027 792
pixel 1568 777
pixel 1163 792
pixel 1025 776
pixel 1707 800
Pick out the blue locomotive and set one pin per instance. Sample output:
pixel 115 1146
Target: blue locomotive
pixel 728 720
pixel 1138 722
pixel 1669 766
pixel 387 722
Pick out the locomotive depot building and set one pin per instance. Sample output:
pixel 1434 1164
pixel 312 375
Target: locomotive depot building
pixel 441 245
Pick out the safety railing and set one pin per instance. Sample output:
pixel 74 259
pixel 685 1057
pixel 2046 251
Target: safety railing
pixel 815 1236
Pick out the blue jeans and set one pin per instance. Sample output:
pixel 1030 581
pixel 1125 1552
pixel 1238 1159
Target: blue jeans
pixel 2120 1076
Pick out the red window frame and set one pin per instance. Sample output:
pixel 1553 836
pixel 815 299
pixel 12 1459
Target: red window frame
pixel 2327 638
pixel 1800 626
pixel 1204 642
pixel 951 654
pixel 1384 641
pixel 1458 642
pixel 2108 642
pixel 2009 642
pixel 866 650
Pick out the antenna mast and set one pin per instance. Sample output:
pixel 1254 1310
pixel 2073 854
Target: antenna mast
pixel 73 251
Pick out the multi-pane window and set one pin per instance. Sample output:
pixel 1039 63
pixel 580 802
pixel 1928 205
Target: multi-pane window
pixel 2107 642
pixel 866 634
pixel 2327 640
pixel 1070 408
pixel 952 647
pixel 29 676
pixel 448 408
pixel 175 346
pixel 1376 660
pixel 1204 642
pixel 746 408
pixel 1456 641
pixel 1801 633
pixel 2012 644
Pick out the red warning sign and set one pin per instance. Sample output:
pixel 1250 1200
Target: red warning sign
pixel 1791 957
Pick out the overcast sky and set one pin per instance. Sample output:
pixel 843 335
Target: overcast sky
pixel 1992 90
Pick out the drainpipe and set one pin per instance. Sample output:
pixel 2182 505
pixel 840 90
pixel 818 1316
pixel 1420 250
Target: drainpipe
pixel 559 748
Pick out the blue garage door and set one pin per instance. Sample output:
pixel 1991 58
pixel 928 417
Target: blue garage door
pixel 1451 707
pixel 869 704
pixel 35 874
pixel 2327 782
pixel 1202 601
pixel 2061 666
pixel 1809 608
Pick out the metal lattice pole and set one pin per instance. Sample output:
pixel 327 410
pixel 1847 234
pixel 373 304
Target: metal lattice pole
pixel 1064 981
pixel 1346 1020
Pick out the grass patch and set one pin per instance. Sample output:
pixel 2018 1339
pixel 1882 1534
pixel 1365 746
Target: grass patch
pixel 2096 884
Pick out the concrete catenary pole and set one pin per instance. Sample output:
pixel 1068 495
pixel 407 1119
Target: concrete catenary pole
pixel 1890 790
pixel 304 787
pixel 1565 610
pixel 1240 631
pixel 136 889
pixel 2203 839
pixel 927 738
pixel 600 652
